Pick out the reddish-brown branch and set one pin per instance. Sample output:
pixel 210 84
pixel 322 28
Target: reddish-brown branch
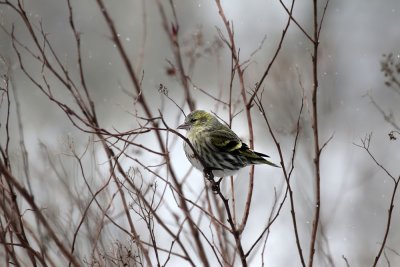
pixel 317 149
pixel 30 200
pixel 287 179
pixel 90 120
pixel 9 203
pixel 234 230
pixel 295 22
pixel 271 219
pixel 389 220
pixel 173 36
pixel 240 72
pixel 142 101
pixel 365 143
pixel 278 49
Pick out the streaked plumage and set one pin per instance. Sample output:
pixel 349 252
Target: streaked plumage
pixel 218 146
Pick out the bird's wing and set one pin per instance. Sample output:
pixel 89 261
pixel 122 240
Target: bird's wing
pixel 226 140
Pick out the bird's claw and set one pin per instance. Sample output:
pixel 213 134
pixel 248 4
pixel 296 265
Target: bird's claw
pixel 215 186
pixel 208 174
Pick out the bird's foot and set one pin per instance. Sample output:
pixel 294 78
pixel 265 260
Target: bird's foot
pixel 208 174
pixel 215 186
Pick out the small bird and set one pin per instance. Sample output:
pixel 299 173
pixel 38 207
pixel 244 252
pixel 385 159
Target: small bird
pixel 219 147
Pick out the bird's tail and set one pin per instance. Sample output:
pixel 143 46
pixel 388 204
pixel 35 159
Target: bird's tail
pixel 261 159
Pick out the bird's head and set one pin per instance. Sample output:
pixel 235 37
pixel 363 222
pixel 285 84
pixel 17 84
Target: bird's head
pixel 198 118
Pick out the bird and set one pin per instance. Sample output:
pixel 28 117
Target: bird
pixel 219 148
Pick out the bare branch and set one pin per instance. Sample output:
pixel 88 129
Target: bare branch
pixel 259 83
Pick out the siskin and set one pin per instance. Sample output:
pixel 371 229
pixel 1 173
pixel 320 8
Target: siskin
pixel 218 146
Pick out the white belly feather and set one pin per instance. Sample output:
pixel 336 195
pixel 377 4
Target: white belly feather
pixel 197 164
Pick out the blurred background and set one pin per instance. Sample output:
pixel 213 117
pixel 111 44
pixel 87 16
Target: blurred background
pixel 356 37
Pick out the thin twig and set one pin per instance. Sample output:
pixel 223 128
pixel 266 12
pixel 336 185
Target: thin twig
pixel 259 83
pixel 287 179
pixel 365 144
pixel 317 149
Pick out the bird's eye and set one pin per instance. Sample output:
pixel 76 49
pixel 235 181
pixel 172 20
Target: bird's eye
pixel 192 120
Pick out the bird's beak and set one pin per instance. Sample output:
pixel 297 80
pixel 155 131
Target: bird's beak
pixel 183 126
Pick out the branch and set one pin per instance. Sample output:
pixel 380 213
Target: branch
pixel 286 175
pixel 234 230
pixel 141 100
pixel 365 143
pixel 174 42
pixel 236 62
pixel 30 200
pixel 317 149
pixel 259 84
